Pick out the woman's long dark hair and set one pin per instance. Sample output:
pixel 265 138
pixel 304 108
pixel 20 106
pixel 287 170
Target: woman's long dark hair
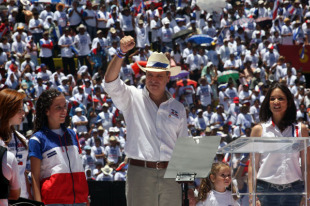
pixel 290 114
pixel 44 102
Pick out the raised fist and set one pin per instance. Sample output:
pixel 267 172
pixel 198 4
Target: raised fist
pixel 127 43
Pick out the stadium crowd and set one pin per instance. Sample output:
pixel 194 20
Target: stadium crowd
pixel 34 34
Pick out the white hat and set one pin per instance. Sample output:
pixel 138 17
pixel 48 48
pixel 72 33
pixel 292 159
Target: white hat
pixel 209 64
pixel 116 129
pixel 257 70
pixel 270 46
pixel 82 69
pixel 158 62
pixel 78 109
pixel 199 110
pixel 81 27
pixel 64 78
pixel 25 2
pixel 166 21
pixel 107 170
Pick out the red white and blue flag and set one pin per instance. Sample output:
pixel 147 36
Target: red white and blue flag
pixel 290 9
pixel 275 9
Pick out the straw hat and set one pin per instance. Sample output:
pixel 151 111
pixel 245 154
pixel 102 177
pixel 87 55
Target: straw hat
pixel 158 62
pixel 60 4
pixel 107 170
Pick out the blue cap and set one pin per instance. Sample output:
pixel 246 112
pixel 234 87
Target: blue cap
pixel 42 65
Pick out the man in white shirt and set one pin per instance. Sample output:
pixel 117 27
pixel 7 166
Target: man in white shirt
pixel 165 36
pixel 195 63
pixel 46 53
pixel 90 18
pixel 83 43
pixel 79 121
pixel 127 22
pixel 27 65
pixel 154 122
pixel 66 44
pixel 155 26
pixel 75 15
pixel 36 27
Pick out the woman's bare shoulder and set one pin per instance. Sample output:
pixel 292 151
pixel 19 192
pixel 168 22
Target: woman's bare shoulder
pixel 257 131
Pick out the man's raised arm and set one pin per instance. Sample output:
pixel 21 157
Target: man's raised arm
pixel 126 44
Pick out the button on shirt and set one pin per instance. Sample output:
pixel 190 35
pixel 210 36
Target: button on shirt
pixel 151 131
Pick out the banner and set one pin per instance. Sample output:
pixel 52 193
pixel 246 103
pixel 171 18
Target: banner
pixel 297 54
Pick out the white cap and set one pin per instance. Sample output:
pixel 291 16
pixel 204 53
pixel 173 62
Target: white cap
pixel 78 109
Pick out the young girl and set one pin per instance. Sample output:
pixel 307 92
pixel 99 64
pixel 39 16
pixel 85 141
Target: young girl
pixel 214 191
pixel 57 173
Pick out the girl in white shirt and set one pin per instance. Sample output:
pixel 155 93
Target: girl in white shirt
pixel 215 190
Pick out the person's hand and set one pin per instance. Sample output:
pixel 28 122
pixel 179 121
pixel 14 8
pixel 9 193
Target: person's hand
pixel 127 43
pixel 303 201
pixel 257 203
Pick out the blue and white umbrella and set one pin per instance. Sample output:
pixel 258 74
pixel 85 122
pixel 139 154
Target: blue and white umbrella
pixel 47 1
pixel 200 39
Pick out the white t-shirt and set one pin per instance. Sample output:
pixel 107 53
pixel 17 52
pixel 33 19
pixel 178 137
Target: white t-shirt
pixel 97 151
pixel 35 23
pixel 66 51
pixel 83 42
pixel 165 34
pixel 102 15
pixel 45 52
pixel 10 171
pixel 19 47
pixel 21 152
pixel 112 153
pixel 80 128
pixel 75 19
pixel 205 94
pixel 219 199
pixel 61 17
pixel 126 22
pixel 90 13
pixel 142 36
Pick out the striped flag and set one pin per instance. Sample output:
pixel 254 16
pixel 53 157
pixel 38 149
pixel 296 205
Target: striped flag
pixel 302 54
pixel 275 9
pixel 290 9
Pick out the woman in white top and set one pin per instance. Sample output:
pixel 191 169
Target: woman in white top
pixel 278 172
pixel 11 113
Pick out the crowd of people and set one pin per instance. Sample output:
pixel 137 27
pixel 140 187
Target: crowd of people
pixel 34 34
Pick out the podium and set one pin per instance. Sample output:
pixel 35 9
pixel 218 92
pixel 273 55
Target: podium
pixel 192 158
pixel 261 145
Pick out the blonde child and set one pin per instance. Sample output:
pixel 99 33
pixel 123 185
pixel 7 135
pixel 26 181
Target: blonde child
pixel 215 189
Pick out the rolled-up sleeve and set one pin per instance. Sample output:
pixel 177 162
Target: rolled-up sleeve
pixel 120 93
